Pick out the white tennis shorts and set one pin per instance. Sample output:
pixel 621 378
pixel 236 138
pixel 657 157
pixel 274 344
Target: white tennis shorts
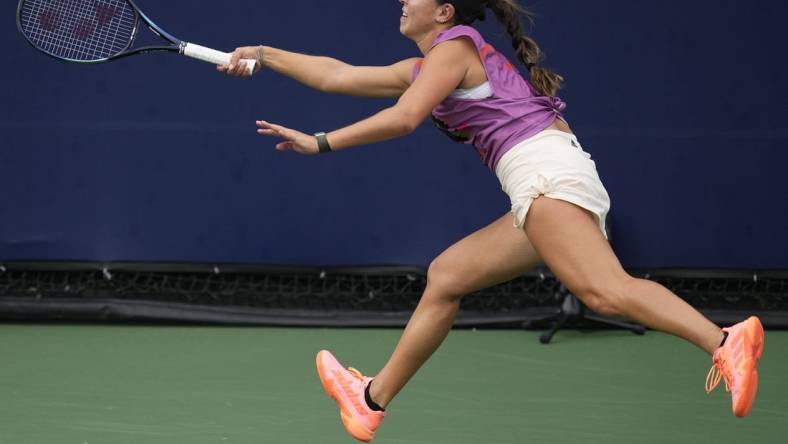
pixel 552 164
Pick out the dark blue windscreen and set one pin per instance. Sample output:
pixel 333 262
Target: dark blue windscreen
pixel 154 158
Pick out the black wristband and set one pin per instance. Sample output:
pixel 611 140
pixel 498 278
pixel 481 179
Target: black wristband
pixel 322 143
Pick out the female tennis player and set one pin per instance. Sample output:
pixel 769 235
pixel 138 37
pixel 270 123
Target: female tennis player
pixel 558 205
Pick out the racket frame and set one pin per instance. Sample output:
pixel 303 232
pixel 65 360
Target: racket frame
pixel 177 44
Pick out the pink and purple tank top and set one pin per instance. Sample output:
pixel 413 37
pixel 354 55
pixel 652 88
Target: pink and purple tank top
pixel 495 124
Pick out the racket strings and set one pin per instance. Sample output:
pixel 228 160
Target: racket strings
pixel 81 30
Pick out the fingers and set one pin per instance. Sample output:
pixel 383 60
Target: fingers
pixel 279 130
pixel 284 146
pixel 235 63
pixel 250 67
pixel 228 69
pixel 236 56
pixel 236 67
pixel 269 129
pixel 240 69
pixel 293 140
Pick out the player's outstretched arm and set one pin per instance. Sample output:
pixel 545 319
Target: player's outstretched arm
pixel 443 70
pixel 327 74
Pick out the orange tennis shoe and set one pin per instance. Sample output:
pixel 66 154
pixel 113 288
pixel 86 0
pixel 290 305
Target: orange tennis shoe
pixel 347 387
pixel 737 362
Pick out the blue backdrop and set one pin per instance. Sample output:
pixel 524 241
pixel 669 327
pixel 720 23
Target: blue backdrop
pixel 154 158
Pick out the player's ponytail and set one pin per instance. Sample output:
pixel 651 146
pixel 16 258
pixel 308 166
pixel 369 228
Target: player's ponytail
pixel 508 12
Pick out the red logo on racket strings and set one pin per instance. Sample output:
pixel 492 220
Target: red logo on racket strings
pixel 49 20
pixel 104 13
pixel 83 29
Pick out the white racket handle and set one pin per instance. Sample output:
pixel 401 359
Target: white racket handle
pixel 213 56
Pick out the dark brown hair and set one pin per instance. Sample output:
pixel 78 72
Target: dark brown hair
pixel 508 13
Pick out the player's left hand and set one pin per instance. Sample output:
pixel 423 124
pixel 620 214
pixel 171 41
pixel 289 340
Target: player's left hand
pixel 293 140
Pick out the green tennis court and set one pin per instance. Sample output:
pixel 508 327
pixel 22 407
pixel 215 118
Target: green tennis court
pixel 92 384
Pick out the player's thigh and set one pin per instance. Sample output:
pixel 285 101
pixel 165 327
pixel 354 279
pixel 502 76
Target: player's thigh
pixel 494 254
pixel 570 242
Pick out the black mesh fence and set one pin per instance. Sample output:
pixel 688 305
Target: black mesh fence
pixel 351 297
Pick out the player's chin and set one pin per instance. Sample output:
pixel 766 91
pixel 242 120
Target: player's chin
pixel 406 32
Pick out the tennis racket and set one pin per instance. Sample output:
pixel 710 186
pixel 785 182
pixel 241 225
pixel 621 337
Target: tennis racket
pixel 96 31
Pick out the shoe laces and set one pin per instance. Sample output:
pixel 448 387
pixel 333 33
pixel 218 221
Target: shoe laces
pixel 357 374
pixel 719 370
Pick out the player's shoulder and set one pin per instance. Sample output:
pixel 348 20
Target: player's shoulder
pixel 460 51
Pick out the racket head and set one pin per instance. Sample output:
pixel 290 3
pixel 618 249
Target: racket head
pixel 79 31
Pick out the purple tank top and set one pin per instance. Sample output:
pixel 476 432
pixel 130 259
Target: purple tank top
pixel 495 124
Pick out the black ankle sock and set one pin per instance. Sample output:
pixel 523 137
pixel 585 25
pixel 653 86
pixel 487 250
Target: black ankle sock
pixel 724 338
pixel 370 403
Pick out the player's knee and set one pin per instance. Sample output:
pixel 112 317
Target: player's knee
pixel 606 297
pixel 444 281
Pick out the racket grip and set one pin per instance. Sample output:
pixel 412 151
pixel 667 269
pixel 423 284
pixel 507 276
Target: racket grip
pixel 213 56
